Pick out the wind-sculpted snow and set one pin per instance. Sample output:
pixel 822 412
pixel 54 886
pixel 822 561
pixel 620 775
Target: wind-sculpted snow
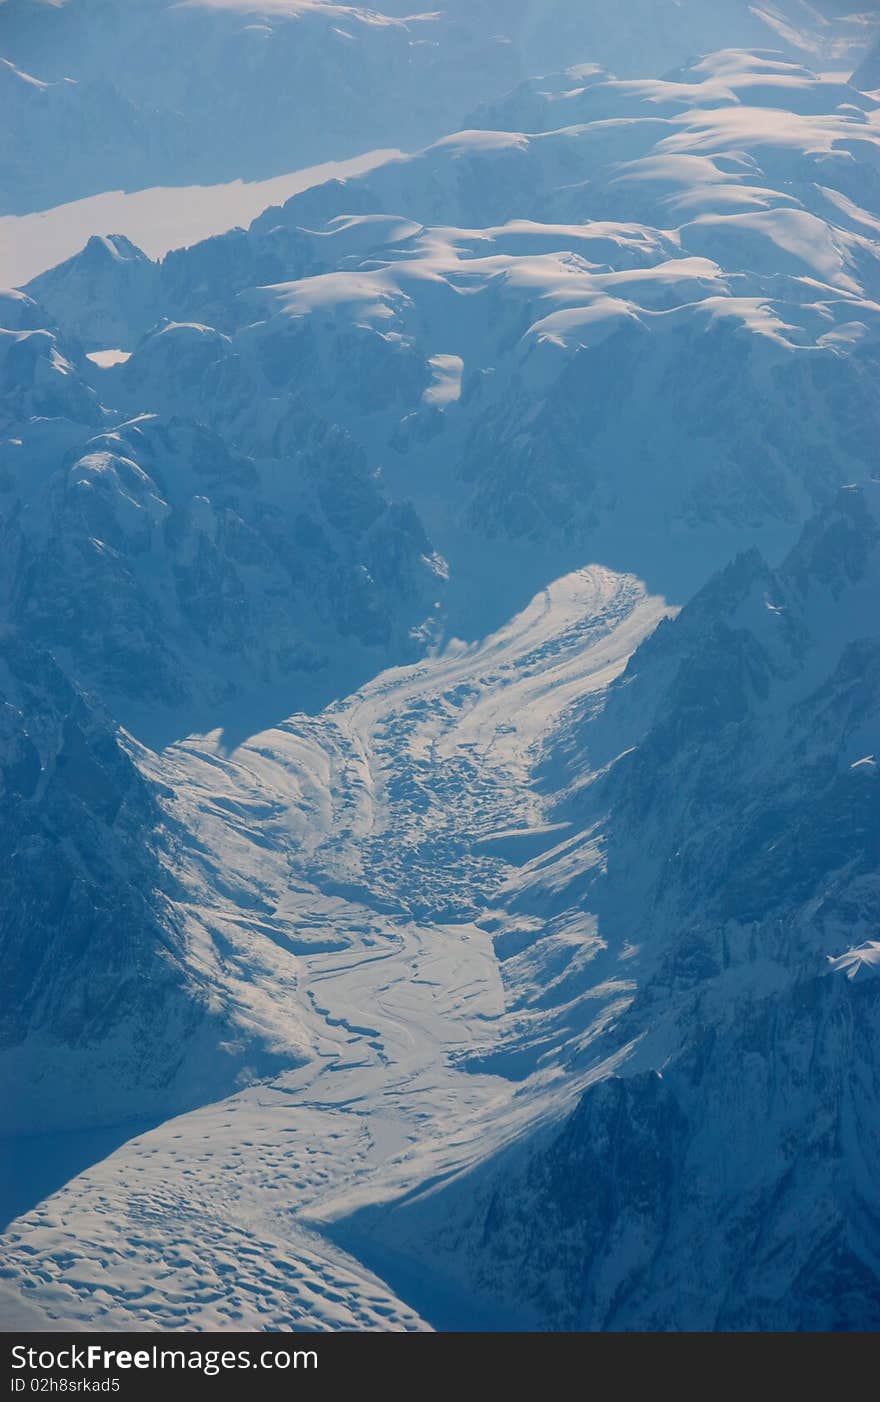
pixel 95 102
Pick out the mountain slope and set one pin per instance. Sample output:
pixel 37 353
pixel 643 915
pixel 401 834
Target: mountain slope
pixel 105 1017
pixel 645 337
pixel 166 566
pixel 719 1173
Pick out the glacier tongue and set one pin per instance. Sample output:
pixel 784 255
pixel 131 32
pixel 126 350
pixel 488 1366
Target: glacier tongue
pixel 338 865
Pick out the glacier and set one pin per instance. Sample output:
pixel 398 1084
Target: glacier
pixel 440 671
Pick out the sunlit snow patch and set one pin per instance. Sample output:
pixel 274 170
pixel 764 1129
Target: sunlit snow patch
pixel 445 388
pixel 105 359
pixel 868 762
pixel 861 962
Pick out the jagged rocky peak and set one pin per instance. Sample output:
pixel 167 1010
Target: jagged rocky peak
pixel 171 569
pixel 839 549
pixel 107 295
pixel 92 951
pixel 813 598
pixel 114 248
pixel 113 1012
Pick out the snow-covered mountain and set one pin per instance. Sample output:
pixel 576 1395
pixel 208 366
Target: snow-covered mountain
pixel 167 568
pixel 130 92
pixel 440 673
pixel 99 95
pixel 655 316
pixel 104 1011
pixel 718 1173
pixel 664 917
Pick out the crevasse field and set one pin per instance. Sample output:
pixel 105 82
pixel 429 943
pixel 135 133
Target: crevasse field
pixel 440 665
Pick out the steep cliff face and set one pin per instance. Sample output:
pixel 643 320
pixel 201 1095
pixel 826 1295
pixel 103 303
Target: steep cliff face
pixel 732 1191
pixel 100 1008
